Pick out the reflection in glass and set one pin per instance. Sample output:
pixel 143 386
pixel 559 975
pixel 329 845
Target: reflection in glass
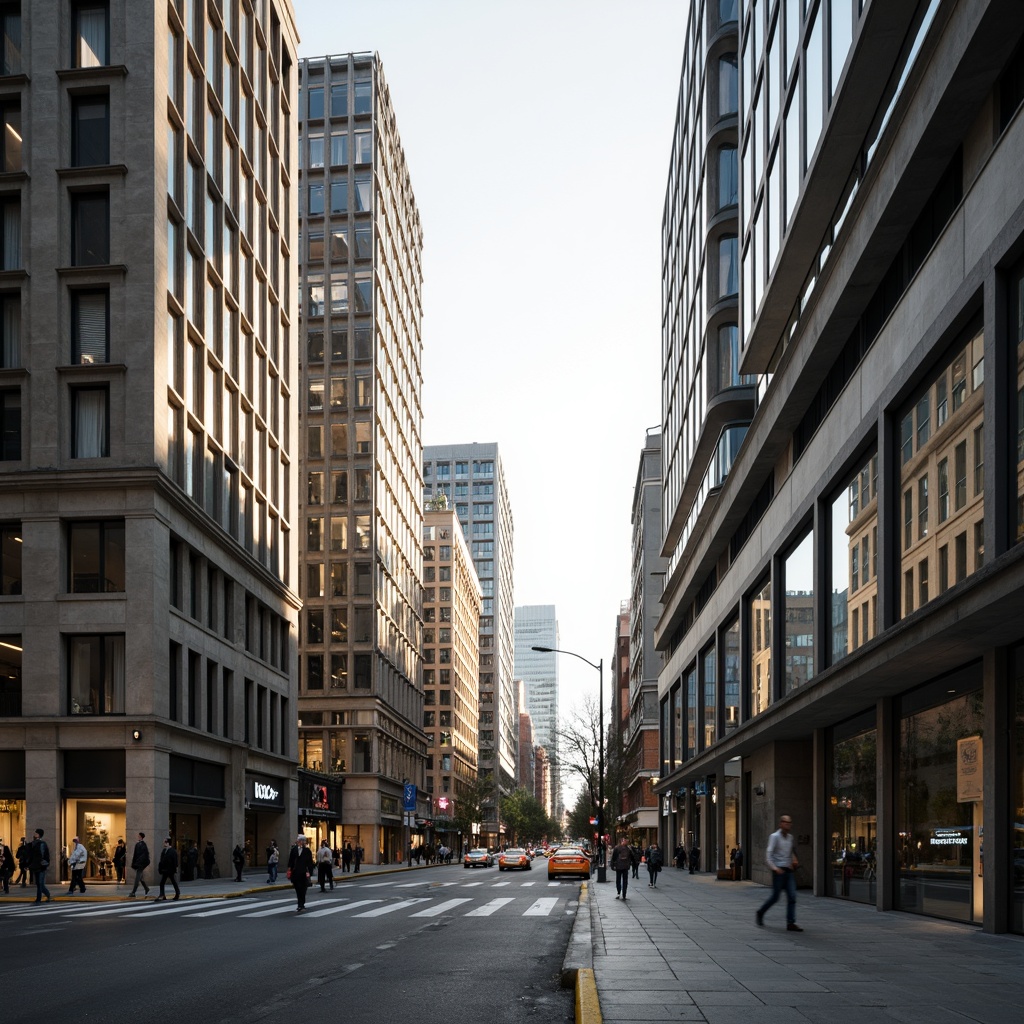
pixel 799 614
pixel 854 530
pixel 731 673
pixel 760 649
pixel 852 815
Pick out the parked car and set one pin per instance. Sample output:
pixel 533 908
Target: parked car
pixel 514 858
pixel 478 858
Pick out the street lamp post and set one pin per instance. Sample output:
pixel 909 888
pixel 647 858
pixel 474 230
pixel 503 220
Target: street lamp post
pixel 602 869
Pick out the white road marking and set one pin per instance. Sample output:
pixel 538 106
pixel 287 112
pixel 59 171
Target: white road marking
pixel 343 906
pixel 489 908
pixel 392 907
pixel 542 907
pixel 498 885
pixel 441 908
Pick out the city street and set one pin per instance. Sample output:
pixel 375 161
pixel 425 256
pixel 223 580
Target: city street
pixel 390 947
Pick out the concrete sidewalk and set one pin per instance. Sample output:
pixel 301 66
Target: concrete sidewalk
pixel 690 950
pixel 253 880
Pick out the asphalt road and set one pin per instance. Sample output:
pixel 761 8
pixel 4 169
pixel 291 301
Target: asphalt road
pixel 477 945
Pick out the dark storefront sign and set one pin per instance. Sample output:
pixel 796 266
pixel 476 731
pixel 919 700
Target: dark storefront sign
pixel 196 782
pixel 12 773
pixel 264 793
pixel 319 797
pixel 94 772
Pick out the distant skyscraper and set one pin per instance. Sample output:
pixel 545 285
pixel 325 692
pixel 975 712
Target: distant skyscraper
pixel 147 481
pixel 536 626
pixel 361 702
pixel 472 477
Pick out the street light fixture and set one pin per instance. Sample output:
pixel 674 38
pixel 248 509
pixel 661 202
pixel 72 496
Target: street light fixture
pixel 602 870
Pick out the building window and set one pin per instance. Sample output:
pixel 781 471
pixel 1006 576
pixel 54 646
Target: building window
pixel 960 475
pixel 96 557
pixel 728 177
pixel 10 560
pixel 363 98
pixel 96 675
pixel 10 238
pixel 10 330
pixel 10 425
pixel 90 327
pixel 315 102
pixel 922 507
pixel 11 138
pixel 90 422
pixel 922 582
pixel 90 228
pixel 799 614
pixel 10 37
pixel 90 131
pixel 943 490
pixel 91 36
pixel 728 85
pixel 728 266
pixel 10 676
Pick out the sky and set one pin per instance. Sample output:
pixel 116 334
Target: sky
pixel 537 135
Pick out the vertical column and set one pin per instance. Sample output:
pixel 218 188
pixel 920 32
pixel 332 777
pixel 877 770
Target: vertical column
pixel 886 781
pixel 998 683
pixel 821 840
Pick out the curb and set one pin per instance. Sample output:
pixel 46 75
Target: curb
pixel 578 966
pixel 588 1008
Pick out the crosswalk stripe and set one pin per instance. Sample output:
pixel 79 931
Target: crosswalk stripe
pixel 471 885
pixel 327 911
pixel 525 884
pixel 238 905
pixel 489 908
pixel 498 885
pixel 391 908
pixel 442 907
pixel 289 904
pixel 378 885
pixel 411 885
pixel 542 907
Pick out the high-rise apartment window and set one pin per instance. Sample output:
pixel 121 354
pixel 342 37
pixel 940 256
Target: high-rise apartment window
pixel 960 471
pixel 728 177
pixel 922 507
pixel 96 675
pixel 10 238
pixel 10 425
pixel 91 34
pixel 90 327
pixel 90 421
pixel 728 265
pixel 363 98
pixel 316 151
pixel 315 102
pixel 10 37
pixel 90 131
pixel 90 228
pixel 10 330
pixel 363 146
pixel 10 559
pixel 339 195
pixel 364 194
pixel 339 100
pixel 315 205
pixel 11 138
pixel 96 555
pixel 339 149
pixel 728 85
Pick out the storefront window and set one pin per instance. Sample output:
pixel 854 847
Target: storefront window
pixel 1017 838
pixel 760 648
pixel 852 816
pixel 1016 319
pixel 937 432
pixel 854 531
pixel 799 611
pixel 939 810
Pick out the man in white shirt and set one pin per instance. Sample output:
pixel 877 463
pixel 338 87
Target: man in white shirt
pixel 783 863
pixel 76 864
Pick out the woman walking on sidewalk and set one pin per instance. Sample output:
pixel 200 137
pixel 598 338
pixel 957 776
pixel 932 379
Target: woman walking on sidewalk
pixel 654 864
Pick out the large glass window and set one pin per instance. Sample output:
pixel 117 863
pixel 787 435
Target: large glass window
pixel 95 675
pixel 728 266
pixel 852 814
pixel 10 559
pixel 677 726
pixel 90 419
pixel 854 519
pixel 10 39
pixel 10 236
pixel 709 671
pixel 728 177
pixel 10 424
pixel 10 676
pixel 91 35
pixel 728 85
pixel 731 675
pixel 799 612
pixel 941 442
pixel 96 555
pixel 938 802
pixel 10 330
pixel 11 138
pixel 90 228
pixel 760 628
pixel 90 131
pixel 90 327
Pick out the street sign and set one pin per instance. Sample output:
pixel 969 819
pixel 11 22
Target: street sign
pixel 409 796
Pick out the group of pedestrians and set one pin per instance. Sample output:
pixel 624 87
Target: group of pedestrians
pixel 626 860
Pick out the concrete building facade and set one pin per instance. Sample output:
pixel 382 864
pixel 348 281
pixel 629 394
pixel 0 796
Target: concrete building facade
pixel 840 621
pixel 361 690
pixel 147 488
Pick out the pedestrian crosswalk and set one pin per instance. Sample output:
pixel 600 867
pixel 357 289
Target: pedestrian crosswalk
pixel 369 901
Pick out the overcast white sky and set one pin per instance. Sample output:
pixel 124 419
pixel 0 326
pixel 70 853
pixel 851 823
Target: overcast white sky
pixel 537 134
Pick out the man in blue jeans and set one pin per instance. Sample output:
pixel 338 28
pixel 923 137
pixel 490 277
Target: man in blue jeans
pixel 783 863
pixel 38 862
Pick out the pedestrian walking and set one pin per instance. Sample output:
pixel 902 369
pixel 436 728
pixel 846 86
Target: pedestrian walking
pixel 38 862
pixel 655 862
pixel 21 856
pixel 300 871
pixel 782 860
pixel 273 858
pixel 694 857
pixel 346 858
pixel 168 868
pixel 6 867
pixel 621 865
pixel 635 857
pixel 357 857
pixel 737 863
pixel 192 861
pixel 76 864
pixel 120 859
pixel 209 859
pixel 140 861
pixel 680 856
pixel 238 859
pixel 324 864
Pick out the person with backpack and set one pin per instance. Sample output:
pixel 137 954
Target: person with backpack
pixel 655 862
pixel 38 862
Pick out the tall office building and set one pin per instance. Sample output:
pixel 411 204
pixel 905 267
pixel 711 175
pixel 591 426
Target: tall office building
pixel 840 617
pixel 537 626
pixel 473 479
pixel 146 484
pixel 640 740
pixel 361 697
pixel 451 668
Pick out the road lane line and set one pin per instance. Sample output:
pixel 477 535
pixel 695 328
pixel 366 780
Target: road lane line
pixel 392 907
pixel 498 885
pixel 470 885
pixel 489 908
pixel 442 907
pixel 542 907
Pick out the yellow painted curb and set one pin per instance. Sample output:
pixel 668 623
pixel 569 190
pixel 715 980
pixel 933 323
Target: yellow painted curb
pixel 588 1008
